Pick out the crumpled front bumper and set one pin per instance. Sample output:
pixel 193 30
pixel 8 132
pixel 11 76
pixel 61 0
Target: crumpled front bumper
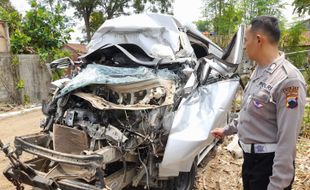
pixel 38 180
pixel 30 172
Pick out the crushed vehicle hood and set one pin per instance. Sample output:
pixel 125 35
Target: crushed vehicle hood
pixel 159 36
pixel 151 32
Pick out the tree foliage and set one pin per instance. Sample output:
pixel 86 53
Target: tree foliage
pixel 84 9
pixel 6 4
pixel 156 6
pixel 254 8
pixel 46 29
pixel 40 31
pixel 302 6
pixel 202 25
pixel 10 15
pixel 96 20
pixel 160 6
pixel 224 16
pixel 222 19
pixel 292 40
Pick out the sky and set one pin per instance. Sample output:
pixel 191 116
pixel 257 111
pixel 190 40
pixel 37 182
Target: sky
pixel 184 10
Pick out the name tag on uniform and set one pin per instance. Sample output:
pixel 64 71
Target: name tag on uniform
pixel 265 86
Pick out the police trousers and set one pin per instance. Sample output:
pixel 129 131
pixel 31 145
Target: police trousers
pixel 256 170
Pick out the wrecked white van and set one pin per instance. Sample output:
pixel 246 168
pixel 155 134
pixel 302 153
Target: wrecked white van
pixel 138 112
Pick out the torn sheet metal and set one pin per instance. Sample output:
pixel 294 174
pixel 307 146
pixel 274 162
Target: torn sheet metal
pixel 195 33
pixel 102 104
pixel 67 171
pixel 101 74
pixel 158 35
pixel 204 110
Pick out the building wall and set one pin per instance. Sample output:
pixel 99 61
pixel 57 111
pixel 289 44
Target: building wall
pixel 6 79
pixel 35 76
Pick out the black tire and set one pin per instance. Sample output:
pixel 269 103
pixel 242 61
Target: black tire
pixel 185 180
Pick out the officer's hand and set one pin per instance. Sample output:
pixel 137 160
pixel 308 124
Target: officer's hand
pixel 218 132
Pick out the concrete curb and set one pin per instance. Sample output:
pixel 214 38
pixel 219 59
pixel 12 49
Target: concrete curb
pixel 15 113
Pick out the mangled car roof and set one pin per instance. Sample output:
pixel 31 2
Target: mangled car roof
pixel 159 36
pixel 145 30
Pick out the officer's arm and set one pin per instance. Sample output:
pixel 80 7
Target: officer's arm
pixel 290 102
pixel 231 128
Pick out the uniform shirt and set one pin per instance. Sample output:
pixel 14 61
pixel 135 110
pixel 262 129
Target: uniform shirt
pixel 272 111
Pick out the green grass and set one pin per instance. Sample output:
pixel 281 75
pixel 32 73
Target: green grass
pixel 305 128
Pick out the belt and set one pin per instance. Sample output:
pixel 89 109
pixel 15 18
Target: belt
pixel 258 148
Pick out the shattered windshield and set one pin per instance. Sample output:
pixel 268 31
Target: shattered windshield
pixel 101 74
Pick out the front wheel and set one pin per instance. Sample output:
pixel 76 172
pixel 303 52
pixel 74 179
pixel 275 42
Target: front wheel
pixel 185 180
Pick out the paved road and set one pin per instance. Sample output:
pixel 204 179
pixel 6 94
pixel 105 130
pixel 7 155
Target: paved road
pixel 15 126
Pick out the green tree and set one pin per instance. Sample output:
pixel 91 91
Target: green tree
pixel 202 25
pixel 84 9
pixel 291 41
pixel 302 6
pixel 18 40
pixel 10 15
pixel 96 20
pixel 39 31
pixel 161 6
pixel 6 4
pixel 225 16
pixel 46 29
pixel 254 8
pixel 292 44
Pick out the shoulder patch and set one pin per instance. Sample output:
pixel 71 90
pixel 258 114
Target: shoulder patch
pixel 291 94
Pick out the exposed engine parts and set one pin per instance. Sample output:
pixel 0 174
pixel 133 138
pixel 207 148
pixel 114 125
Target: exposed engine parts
pixel 137 110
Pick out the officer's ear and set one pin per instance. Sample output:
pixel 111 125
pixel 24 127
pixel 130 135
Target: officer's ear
pixel 260 39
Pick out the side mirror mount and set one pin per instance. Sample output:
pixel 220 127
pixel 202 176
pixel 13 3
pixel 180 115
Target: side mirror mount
pixel 61 63
pixel 60 68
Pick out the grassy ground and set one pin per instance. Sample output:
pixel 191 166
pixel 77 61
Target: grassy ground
pixel 305 128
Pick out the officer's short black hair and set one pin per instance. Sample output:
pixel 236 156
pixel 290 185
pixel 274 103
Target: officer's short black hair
pixel 269 25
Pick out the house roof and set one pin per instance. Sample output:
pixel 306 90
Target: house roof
pixel 79 48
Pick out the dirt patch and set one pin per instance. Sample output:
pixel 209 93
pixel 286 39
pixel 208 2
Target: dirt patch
pixel 220 170
pixel 16 126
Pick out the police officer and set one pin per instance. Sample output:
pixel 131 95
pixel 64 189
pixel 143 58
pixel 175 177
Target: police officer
pixel 272 111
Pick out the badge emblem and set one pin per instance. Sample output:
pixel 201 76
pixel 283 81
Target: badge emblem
pixel 291 102
pixel 260 148
pixel 291 96
pixel 257 104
